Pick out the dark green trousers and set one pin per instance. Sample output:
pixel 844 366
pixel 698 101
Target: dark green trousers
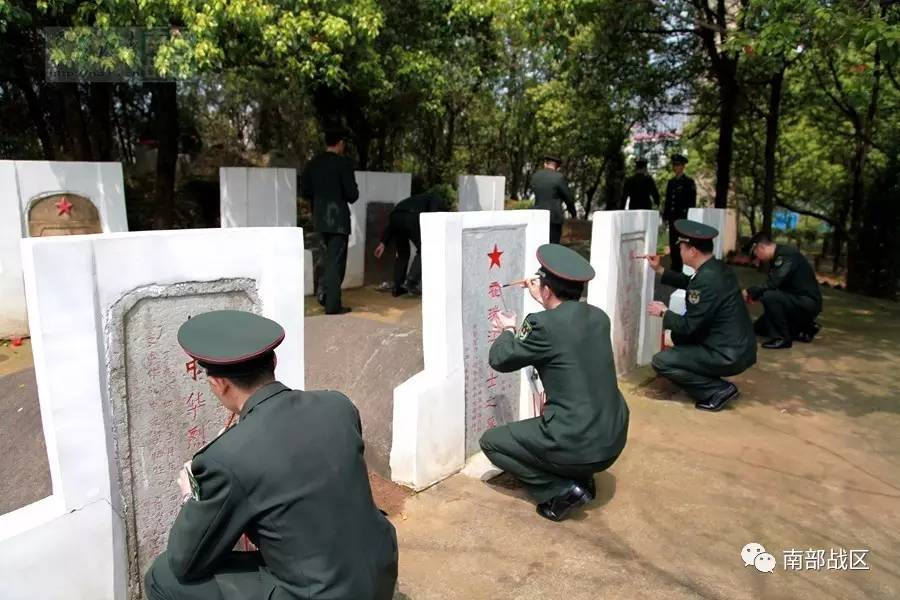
pixel 543 479
pixel 243 581
pixel 785 315
pixel 334 269
pixel 695 369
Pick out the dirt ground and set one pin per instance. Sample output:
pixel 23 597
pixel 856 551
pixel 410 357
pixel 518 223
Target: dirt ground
pixel 807 459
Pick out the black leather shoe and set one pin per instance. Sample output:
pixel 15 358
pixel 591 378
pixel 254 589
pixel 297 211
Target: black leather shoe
pixel 717 402
pixel 398 291
pixel 558 507
pixel 321 299
pixel 589 486
pixel 778 344
pixel 341 311
pixel 415 291
pixel 808 335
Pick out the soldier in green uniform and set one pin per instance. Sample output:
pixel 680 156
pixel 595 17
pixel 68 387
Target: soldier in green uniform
pixel 681 195
pixel 290 475
pixel 403 228
pixel 640 189
pixel 714 338
pixel 584 423
pixel 791 295
pixel 329 184
pixel 550 191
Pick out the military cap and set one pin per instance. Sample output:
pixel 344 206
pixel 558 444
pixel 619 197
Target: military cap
pixel 640 163
pixel 552 158
pixel 693 231
pixel 563 263
pixel 679 159
pixel 230 342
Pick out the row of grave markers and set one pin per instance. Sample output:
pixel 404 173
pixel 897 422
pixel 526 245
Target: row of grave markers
pixel 121 406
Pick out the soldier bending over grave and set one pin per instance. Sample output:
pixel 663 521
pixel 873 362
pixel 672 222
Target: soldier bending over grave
pixel 290 475
pixel 584 423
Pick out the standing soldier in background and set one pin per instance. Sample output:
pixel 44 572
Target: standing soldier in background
pixel 681 194
pixel 641 189
pixel 330 187
pixel 550 191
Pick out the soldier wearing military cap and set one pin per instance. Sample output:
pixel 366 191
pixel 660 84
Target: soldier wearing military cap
pixel 681 195
pixel 317 530
pixel 584 423
pixel 714 338
pixel 551 190
pixel 329 185
pixel 640 191
pixel 791 295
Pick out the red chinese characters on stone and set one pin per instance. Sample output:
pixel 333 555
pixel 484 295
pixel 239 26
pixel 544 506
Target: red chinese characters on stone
pixel 491 422
pixel 194 402
pixel 196 437
pixel 493 312
pixel 191 368
pixel 494 290
pixel 492 380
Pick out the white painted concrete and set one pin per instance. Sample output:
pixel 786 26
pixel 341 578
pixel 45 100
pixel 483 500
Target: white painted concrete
pixel 481 192
pixel 24 182
pixel 72 545
pixel 429 408
pixel 255 197
pixel 605 291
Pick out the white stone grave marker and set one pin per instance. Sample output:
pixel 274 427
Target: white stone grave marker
pixel 481 192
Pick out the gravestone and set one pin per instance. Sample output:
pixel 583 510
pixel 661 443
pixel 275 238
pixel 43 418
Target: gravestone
pixel 122 406
pixel 257 197
pixel 439 412
pixel 374 188
pixel 481 192
pixel 493 256
pixel 377 270
pixel 623 285
pixel 43 198
pixel 162 408
pixel 63 214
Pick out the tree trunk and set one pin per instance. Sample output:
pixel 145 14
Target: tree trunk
pixel 840 235
pixel 728 98
pixel 164 106
pixel 856 259
pixel 101 122
pixel 76 129
pixel 772 117
pixel 37 117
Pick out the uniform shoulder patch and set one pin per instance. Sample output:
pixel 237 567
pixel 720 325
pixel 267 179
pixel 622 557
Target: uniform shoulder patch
pixel 693 296
pixel 524 330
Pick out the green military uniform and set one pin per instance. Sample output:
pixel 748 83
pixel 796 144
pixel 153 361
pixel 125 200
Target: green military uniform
pixel 681 195
pixel 714 338
pixel 550 191
pixel 640 189
pixel 791 297
pixel 403 228
pixel 290 475
pixel 329 184
pixel 584 423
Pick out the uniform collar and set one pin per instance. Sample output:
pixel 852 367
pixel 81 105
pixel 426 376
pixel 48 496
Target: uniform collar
pixel 261 395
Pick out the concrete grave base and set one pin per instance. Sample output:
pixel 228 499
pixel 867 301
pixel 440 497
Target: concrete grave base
pixel 429 421
pixel 96 302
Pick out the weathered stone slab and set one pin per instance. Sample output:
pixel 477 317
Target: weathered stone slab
pixel 257 197
pixel 481 192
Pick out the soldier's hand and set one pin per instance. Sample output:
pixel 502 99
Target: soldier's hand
pixel 746 296
pixel 534 288
pixel 655 262
pixel 379 250
pixel 656 309
pixel 504 320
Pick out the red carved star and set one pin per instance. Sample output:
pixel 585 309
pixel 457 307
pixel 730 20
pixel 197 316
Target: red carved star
pixel 495 257
pixel 64 206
